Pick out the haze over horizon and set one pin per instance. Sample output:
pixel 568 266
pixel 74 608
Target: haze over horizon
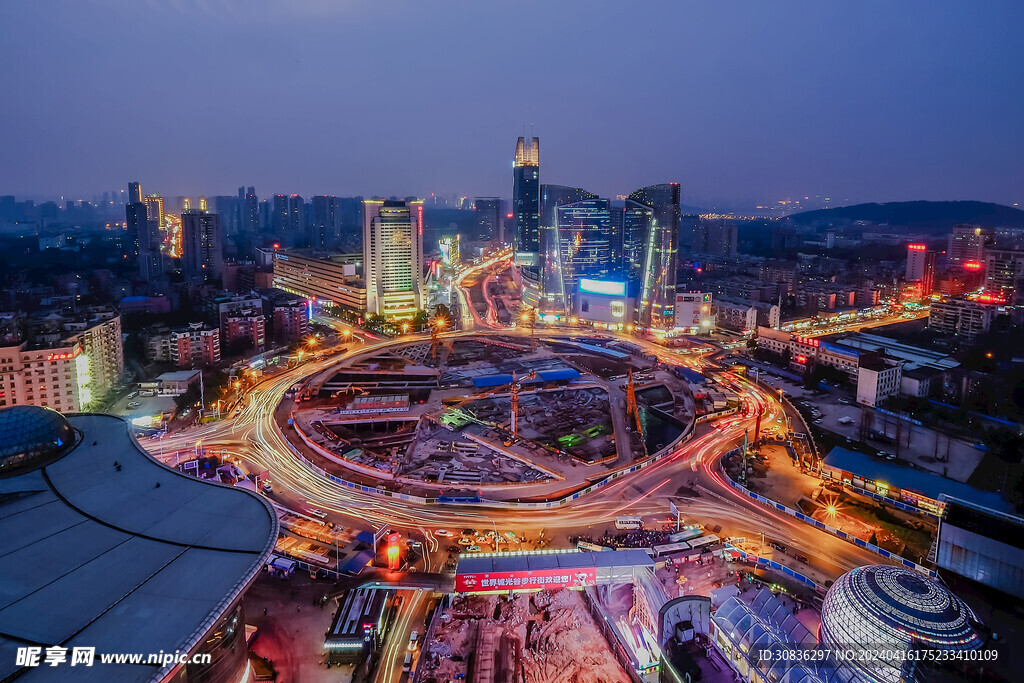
pixel 741 104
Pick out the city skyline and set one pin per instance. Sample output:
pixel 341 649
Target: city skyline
pixel 892 104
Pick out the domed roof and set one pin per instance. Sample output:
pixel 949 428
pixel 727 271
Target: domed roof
pixel 889 607
pixel 31 436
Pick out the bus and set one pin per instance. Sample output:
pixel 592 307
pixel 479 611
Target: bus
pixel 629 523
pixel 670 549
pixel 685 534
pixel 704 541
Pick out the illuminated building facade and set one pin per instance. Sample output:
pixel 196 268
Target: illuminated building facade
pixel 1004 270
pixel 526 217
pixel 393 257
pixel 451 252
pixel 588 239
pixel 555 290
pixel 961 318
pixel 657 294
pixel 604 301
pixel 894 610
pixel 967 243
pixel 330 280
pixel 694 313
pixel 202 256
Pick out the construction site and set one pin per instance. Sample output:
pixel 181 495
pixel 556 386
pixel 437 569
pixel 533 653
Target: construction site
pixel 493 410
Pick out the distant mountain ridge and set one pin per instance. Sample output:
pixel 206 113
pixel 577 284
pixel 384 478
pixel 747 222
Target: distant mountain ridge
pixel 920 215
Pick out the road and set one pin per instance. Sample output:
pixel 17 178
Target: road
pixel 691 478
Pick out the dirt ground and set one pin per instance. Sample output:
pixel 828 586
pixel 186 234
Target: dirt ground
pixel 544 637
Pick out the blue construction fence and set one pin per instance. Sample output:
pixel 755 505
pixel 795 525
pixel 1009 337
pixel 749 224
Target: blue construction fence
pixel 772 564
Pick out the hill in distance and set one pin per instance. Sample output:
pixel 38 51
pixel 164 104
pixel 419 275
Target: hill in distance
pixel 918 215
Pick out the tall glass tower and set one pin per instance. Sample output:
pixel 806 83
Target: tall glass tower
pixel 656 242
pixel 526 213
pixel 587 239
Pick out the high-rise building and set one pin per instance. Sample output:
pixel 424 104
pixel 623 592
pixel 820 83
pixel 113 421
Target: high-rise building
pixel 588 240
pixel 241 321
pixel 155 208
pixel 917 258
pixel 636 225
pixel 554 294
pixel 202 256
pixel 324 222
pixel 279 215
pixel 489 224
pixel 393 256
pixel 967 244
pixel 144 220
pixel 716 236
pixel 657 294
pixel 229 208
pixel 249 223
pixel 135 218
pixel 296 225
pixel 1004 272
pixel 526 214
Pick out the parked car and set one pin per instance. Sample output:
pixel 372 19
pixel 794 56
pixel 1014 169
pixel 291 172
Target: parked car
pixel 473 549
pixel 413 640
pixel 469 532
pixel 465 541
pixel 442 532
pixel 778 546
pixel 134 404
pixel 801 558
pixel 268 486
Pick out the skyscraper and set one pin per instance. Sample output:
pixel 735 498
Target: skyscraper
pixel 656 299
pixel 202 256
pixel 279 215
pixel 324 222
pixel 250 221
pixel 554 298
pixel 296 218
pixel 967 245
pixel 526 212
pixel 489 225
pixel 135 217
pixel 393 257
pixel 587 237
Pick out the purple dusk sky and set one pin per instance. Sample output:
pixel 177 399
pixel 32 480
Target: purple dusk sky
pixel 745 101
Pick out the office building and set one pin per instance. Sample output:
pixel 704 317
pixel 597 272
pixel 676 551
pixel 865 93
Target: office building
pixel 393 257
pixel 490 223
pixel 916 261
pixel 657 293
pixel 135 218
pixel 526 217
pixel 279 215
pixel 555 290
pixel 961 318
pixel 113 552
pixel 296 224
pixel 329 280
pixel 324 222
pixel 155 209
pixel 202 256
pixel 636 225
pixel 694 313
pixel 1004 270
pixel 589 241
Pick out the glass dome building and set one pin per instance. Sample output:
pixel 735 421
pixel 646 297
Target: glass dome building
pixel 887 608
pixel 31 437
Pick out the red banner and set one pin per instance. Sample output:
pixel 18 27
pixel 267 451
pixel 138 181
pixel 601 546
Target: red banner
pixel 526 580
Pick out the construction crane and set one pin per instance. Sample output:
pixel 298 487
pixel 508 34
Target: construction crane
pixel 631 406
pixel 514 397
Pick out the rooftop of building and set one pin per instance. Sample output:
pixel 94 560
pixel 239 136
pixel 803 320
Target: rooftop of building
pixel 980 520
pixel 897 349
pixel 107 548
pixel 177 376
pixel 903 477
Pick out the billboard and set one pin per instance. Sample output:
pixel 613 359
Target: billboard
pixel 526 580
pixel 608 288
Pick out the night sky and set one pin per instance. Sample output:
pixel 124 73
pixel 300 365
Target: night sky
pixel 738 101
